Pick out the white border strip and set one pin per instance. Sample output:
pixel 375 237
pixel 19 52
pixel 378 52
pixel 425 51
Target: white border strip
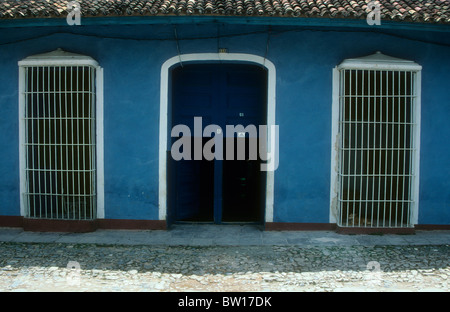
pixel 418 117
pixel 334 178
pixel 22 155
pixel 163 118
pixel 99 144
pixel 377 66
pixel 59 62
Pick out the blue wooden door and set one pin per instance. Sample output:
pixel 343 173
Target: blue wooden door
pixel 222 94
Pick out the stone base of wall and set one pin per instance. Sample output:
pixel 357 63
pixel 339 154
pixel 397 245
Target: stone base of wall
pixel 80 226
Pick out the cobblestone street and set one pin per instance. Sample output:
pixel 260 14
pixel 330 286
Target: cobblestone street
pixel 323 267
pixel 45 267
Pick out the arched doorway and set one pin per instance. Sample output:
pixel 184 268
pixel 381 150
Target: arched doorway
pixel 268 113
pixel 229 99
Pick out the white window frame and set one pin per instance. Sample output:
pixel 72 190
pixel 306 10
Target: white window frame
pixel 63 58
pixel 377 61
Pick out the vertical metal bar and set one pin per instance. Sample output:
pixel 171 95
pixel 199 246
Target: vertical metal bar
pixel 72 139
pixel 392 97
pixel 87 139
pixel 45 141
pixel 388 201
pixel 396 103
pixel 386 150
pixel 26 116
pixel 376 129
pixel 61 119
pixel 38 142
pixel 91 89
pixel 368 151
pixel 349 143
pixel 38 139
pixel 363 176
pixel 358 150
pixel 405 125
pixel 399 126
pixel 402 129
pixel 77 153
pixel 380 123
pixel 86 71
pixel 27 146
pixel 88 144
pixel 43 144
pixel 93 142
pixel 48 145
pixel 355 122
pixel 55 142
pixel 412 146
pixel 33 123
pixel 92 132
pixel 66 78
pixel 374 124
pixel 83 94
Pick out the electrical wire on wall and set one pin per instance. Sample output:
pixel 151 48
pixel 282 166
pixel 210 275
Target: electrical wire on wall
pixel 267 45
pixel 178 45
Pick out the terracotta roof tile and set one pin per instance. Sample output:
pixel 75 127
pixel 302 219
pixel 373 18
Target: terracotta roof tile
pixel 429 11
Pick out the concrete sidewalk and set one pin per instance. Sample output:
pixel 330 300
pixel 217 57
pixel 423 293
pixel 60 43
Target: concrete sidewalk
pixel 224 235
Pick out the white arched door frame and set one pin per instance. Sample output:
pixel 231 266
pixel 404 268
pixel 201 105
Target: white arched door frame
pixel 164 110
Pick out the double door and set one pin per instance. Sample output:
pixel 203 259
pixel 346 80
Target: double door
pixel 230 188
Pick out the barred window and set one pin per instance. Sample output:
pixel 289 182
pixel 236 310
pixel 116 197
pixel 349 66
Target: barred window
pixel 59 138
pixel 377 145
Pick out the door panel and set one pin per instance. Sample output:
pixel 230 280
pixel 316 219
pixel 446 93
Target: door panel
pixel 241 186
pixel 192 189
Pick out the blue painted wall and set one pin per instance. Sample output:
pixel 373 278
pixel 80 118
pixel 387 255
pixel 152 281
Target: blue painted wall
pixel 304 60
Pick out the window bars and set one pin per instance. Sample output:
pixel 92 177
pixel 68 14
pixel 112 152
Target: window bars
pixel 376 147
pixel 60 142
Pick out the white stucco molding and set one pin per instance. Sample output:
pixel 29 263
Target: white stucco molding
pixel 164 126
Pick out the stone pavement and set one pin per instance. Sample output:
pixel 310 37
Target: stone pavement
pixel 231 258
pixel 224 235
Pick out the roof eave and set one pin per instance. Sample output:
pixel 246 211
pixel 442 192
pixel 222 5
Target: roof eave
pixel 248 20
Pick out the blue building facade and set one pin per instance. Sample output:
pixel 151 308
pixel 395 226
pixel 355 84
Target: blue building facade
pixel 300 58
